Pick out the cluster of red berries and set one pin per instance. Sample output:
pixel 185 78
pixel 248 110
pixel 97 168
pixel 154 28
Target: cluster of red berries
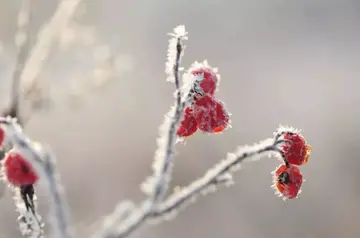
pixel 287 177
pixel 206 112
pixel 16 169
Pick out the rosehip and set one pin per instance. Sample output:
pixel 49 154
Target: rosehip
pixel 211 114
pixel 2 136
pixel 288 181
pixel 296 151
pixel 17 170
pixel 188 125
pixel 208 84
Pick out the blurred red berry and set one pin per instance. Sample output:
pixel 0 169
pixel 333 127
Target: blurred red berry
pixel 208 84
pixel 17 170
pixel 2 136
pixel 297 152
pixel 188 125
pixel 288 181
pixel 211 114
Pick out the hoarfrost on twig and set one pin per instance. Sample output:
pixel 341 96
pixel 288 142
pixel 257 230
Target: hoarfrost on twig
pixel 43 161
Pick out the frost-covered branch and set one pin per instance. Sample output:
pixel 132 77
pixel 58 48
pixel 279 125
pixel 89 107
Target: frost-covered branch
pixel 43 162
pixel 218 174
pixel 166 143
pixel 221 173
pixel 156 186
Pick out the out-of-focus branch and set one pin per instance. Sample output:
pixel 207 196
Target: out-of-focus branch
pixel 23 45
pixel 46 39
pixel 23 48
pixel 29 62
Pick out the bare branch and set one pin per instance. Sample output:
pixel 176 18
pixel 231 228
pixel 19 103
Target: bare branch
pixel 24 46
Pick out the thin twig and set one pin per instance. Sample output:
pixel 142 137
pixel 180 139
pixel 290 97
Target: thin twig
pixel 211 178
pixel 161 185
pixel 214 177
pixel 43 162
pixel 164 156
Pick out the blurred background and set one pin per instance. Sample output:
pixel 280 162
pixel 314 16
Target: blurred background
pixel 281 62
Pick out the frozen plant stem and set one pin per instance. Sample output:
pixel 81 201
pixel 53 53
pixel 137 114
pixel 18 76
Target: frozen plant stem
pixel 214 176
pixel 43 162
pixel 164 155
pixel 161 184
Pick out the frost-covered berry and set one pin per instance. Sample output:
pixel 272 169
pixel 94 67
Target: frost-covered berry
pixel 210 80
pixel 211 114
pixel 188 125
pixel 288 181
pixel 296 151
pixel 2 136
pixel 17 170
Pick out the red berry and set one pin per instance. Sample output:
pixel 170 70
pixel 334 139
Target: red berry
pixel 208 84
pixel 2 136
pixel 188 125
pixel 297 152
pixel 17 170
pixel 288 181
pixel 211 114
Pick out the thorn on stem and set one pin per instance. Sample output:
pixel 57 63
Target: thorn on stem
pixel 27 194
